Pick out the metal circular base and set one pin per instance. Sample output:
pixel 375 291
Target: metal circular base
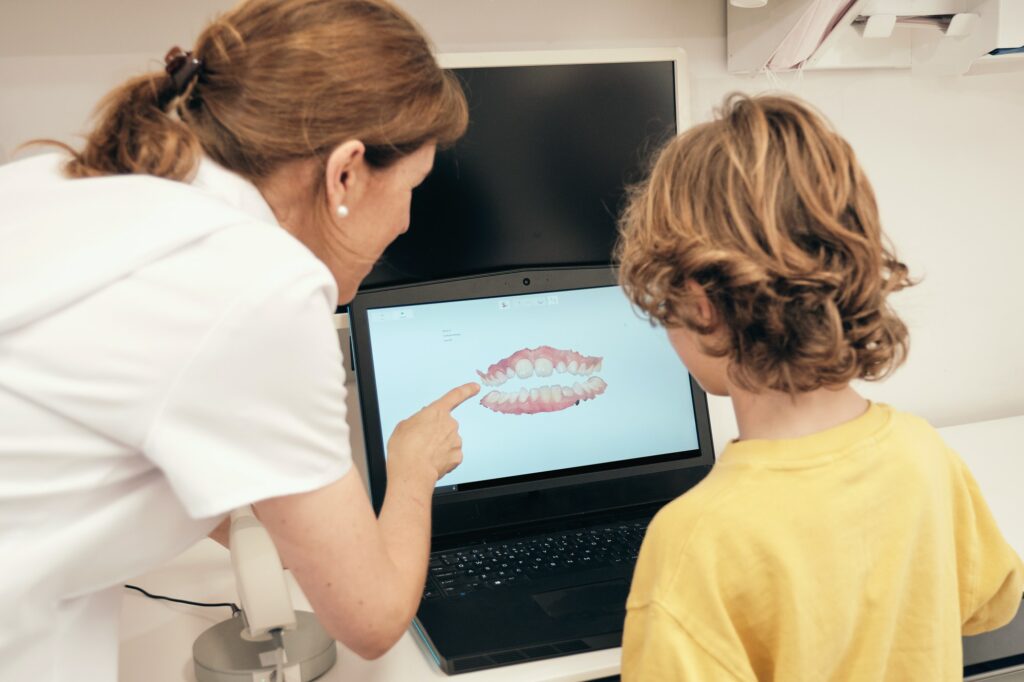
pixel 220 654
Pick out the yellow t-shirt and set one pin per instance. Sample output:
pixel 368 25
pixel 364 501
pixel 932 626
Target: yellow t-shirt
pixel 860 553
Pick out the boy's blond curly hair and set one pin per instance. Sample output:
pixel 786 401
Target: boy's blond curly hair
pixel 768 211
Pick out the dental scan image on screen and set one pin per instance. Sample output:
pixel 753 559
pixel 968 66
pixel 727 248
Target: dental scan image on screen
pixel 568 379
pixel 544 361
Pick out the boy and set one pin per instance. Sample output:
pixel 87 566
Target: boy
pixel 836 539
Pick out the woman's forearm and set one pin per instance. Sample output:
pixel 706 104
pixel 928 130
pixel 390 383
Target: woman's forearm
pixel 405 529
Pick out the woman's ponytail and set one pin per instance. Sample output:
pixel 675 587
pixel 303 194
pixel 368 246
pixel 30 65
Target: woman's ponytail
pixel 135 133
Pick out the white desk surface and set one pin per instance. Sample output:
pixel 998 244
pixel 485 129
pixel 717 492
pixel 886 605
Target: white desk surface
pixel 156 637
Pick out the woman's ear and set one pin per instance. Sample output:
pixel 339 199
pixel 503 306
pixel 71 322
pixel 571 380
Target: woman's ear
pixel 346 168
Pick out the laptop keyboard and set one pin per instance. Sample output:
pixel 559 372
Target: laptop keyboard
pixel 458 572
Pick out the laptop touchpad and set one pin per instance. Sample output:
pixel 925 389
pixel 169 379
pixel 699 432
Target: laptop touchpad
pixel 598 599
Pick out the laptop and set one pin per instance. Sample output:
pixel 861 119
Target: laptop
pixel 996 653
pixel 586 424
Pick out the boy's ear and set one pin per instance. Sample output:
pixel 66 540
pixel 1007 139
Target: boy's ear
pixel 705 310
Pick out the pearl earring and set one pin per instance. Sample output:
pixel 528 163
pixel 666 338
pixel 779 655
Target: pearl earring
pixel 342 211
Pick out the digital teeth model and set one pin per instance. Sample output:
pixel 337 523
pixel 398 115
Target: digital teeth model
pixel 542 361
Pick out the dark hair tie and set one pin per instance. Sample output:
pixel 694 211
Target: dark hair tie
pixel 182 67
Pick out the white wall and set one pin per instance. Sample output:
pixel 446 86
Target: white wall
pixel 944 154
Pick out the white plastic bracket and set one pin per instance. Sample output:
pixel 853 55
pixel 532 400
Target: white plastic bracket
pixel 962 25
pixel 879 26
pixel 259 576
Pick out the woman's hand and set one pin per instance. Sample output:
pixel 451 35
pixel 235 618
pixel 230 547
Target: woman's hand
pixel 427 444
pixel 365 581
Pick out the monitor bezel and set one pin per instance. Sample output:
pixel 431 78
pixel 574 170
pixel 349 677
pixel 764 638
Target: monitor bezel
pixel 541 280
pixel 623 55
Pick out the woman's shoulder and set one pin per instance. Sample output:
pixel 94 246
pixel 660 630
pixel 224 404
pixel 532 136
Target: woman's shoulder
pixel 172 212
pixel 124 229
pixel 254 256
pixel 32 170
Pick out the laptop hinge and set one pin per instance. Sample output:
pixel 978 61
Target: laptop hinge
pixel 550 525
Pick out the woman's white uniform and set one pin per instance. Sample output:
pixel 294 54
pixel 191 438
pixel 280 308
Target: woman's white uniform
pixel 166 354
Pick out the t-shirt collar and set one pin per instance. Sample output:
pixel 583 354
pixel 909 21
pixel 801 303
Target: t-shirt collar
pixel 233 189
pixel 803 451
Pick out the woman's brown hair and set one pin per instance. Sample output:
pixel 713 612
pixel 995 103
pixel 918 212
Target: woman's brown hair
pixel 766 209
pixel 282 80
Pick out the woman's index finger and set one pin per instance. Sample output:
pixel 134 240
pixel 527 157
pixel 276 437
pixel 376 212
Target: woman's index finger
pixel 455 397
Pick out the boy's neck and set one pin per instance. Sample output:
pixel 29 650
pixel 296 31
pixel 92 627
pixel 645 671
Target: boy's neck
pixel 773 415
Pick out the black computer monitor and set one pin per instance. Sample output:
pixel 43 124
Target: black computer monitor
pixel 554 139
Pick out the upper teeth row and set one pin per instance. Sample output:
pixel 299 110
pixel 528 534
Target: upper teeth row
pixel 524 369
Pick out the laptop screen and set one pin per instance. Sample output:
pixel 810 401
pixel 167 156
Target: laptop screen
pixel 572 381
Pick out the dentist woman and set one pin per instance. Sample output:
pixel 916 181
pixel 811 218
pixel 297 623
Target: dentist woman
pixel 167 351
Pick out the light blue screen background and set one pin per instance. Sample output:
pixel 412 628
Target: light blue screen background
pixel 420 352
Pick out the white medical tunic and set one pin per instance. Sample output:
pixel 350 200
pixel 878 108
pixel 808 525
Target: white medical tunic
pixel 167 353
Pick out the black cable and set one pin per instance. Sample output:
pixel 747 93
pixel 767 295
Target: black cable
pixel 234 607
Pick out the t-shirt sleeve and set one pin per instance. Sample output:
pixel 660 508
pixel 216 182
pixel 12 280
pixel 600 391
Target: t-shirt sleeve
pixel 259 409
pixel 678 626
pixel 655 646
pixel 994 571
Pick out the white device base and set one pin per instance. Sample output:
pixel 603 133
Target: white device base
pixel 220 654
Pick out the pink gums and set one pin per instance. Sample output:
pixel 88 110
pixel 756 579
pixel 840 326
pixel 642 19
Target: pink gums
pixel 533 354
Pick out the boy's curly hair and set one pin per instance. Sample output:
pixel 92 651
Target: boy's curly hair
pixel 768 211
